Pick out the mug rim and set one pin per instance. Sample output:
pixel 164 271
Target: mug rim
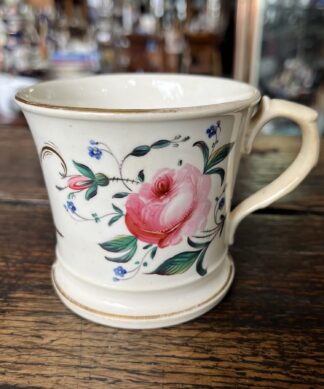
pixel 25 98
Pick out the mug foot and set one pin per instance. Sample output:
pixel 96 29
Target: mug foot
pixel 140 309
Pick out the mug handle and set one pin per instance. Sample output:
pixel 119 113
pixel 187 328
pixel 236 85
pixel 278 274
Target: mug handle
pixel 306 159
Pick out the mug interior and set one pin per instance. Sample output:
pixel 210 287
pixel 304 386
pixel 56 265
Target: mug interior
pixel 142 92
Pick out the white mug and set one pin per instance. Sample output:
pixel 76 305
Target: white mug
pixel 140 172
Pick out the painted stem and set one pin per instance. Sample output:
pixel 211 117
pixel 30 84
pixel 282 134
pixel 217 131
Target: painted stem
pixel 136 269
pixel 124 180
pixel 120 166
pixel 121 172
pixel 85 219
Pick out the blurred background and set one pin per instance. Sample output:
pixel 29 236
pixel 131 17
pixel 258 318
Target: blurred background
pixel 276 45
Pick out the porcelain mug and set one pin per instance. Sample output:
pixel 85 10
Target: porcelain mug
pixel 140 172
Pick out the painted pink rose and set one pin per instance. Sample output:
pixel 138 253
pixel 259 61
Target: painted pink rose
pixel 174 205
pixel 79 182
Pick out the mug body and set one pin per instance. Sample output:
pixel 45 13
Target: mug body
pixel 140 171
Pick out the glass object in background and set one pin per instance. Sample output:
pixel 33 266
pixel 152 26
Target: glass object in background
pixel 202 35
pixel 24 49
pixel 150 35
pixel 69 38
pixel 76 50
pixel 23 38
pixel 74 37
pixel 280 49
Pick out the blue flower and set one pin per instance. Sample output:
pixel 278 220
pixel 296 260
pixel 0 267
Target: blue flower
pixel 70 206
pixel 120 271
pixel 94 152
pixel 211 131
pixel 221 203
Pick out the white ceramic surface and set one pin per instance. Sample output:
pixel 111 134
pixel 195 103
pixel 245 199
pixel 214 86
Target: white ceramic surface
pixel 140 171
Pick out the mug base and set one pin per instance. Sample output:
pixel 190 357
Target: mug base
pixel 184 303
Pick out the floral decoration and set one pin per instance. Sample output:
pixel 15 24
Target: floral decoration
pixel 171 208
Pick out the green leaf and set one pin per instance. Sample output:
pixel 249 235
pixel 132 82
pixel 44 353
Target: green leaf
pixel 206 235
pixel 223 218
pixel 141 176
pixel 120 195
pixel 118 210
pixel 199 265
pixel 197 245
pixel 153 252
pixel 96 218
pixel 114 219
pixel 84 170
pixel 218 156
pixel 219 171
pixel 124 258
pixel 101 179
pixel 140 151
pixel 205 151
pixel 120 243
pixel 147 246
pixel 160 144
pixel 91 192
pixel 178 264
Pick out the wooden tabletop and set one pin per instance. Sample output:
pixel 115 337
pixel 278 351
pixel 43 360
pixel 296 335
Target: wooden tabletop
pixel 267 332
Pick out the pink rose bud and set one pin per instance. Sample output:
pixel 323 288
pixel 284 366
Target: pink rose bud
pixel 79 182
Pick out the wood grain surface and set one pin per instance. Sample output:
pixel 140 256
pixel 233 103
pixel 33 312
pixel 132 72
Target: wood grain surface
pixel 267 332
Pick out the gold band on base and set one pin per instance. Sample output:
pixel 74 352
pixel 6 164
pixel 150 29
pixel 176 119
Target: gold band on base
pixel 144 317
